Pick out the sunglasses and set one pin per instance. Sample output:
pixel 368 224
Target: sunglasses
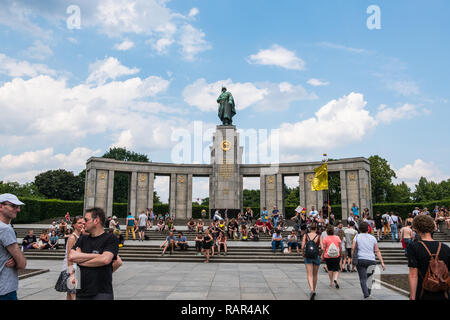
pixel 12 205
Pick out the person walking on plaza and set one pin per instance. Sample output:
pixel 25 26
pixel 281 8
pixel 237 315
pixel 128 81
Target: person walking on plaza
pixel 207 244
pixel 386 228
pixel 364 249
pixel 378 224
pixel 311 255
pixel 143 221
pixel 350 234
pixel 275 216
pixel 11 257
pixel 420 256
pixel 95 254
pixel 331 251
pixel 69 269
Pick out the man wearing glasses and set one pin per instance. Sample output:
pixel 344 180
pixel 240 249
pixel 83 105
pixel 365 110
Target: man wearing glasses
pixel 11 257
pixel 97 256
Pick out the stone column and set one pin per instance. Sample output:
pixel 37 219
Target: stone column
pixel 172 194
pixel 301 189
pixel 101 189
pixel 352 189
pixel 90 186
pixel 109 201
pixel 365 191
pixel 344 197
pixel 133 193
pixel 189 197
pixel 151 188
pixel 279 195
pixel 262 192
pixel 181 196
pixel 142 192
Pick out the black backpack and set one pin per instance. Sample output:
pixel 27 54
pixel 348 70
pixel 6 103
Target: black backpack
pixel 311 248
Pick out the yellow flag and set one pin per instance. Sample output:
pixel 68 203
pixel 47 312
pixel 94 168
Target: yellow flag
pixel 320 181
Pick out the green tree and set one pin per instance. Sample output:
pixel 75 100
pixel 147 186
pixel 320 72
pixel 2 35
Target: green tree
pixel 334 187
pixel 381 176
pixel 399 193
pixel 28 190
pixel 60 184
pixel 205 202
pixel 292 197
pixel 251 198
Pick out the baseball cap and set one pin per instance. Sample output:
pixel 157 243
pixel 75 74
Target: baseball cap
pixel 10 198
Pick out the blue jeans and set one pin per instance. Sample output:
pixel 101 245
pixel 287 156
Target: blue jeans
pixel 275 244
pixel 9 296
pixel 275 222
pixel 394 232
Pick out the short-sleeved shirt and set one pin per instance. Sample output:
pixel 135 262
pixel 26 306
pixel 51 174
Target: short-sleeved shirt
pixel 275 237
pixel 96 280
pixel 349 234
pixel 181 239
pixel 355 210
pixel 366 246
pixel 130 222
pixel 170 238
pixel 264 216
pixel 9 280
pixel 419 258
pixel 327 243
pixel 143 220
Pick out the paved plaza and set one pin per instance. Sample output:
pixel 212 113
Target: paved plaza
pixel 199 281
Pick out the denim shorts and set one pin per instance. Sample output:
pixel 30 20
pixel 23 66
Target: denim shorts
pixel 315 261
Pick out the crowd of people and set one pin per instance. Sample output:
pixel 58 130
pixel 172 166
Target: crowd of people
pixel 91 254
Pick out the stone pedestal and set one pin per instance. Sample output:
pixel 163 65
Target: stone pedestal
pixel 226 181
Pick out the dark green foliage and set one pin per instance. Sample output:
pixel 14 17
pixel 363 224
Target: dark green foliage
pixel 28 190
pixel 122 154
pixel 60 184
pixel 381 176
pixel 251 198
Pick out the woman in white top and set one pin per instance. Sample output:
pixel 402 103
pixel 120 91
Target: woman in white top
pixel 367 247
pixel 68 273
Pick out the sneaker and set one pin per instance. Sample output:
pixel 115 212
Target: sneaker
pixel 312 295
pixel 336 284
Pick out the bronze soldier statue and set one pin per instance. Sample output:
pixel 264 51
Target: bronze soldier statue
pixel 226 107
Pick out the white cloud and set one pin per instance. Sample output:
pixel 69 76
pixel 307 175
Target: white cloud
pixel 278 56
pixel 193 12
pixel 342 47
pixel 38 51
pixel 109 68
pixel 192 42
pixel 125 140
pixel 24 167
pixel 264 95
pixel 411 173
pixel 15 68
pixel 337 123
pixel 124 45
pixel 317 82
pixel 405 88
pixel 407 111
pixel 200 94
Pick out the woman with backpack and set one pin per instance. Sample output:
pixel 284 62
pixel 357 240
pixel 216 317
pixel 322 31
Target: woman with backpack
pixel 331 252
pixel 364 249
pixel 428 262
pixel 310 251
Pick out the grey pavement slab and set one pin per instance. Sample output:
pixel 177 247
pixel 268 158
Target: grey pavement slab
pixel 198 281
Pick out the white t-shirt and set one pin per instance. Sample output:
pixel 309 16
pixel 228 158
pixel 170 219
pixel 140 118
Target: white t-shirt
pixel 314 213
pixel 393 220
pixel 366 246
pixel 143 220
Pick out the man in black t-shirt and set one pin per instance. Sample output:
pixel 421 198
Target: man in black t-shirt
pixel 95 254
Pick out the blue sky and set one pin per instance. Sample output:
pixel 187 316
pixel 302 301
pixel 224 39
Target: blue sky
pixel 138 72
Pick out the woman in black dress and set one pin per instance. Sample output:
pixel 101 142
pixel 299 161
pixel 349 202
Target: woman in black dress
pixel 207 243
